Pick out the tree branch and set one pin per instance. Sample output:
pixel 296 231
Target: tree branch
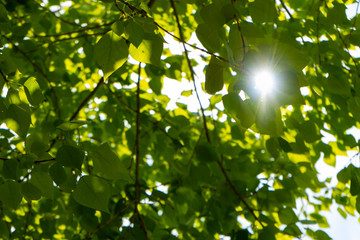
pixel 3 76
pixel 191 69
pixel 87 99
pixel 77 31
pixel 242 199
pixel 108 221
pixel 45 161
pixel 286 9
pixel 137 156
pixel 144 14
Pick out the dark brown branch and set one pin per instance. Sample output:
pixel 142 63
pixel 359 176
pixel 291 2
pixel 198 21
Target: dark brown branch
pixel 45 161
pixel 238 194
pixel 144 14
pixel 191 69
pixel 108 221
pixel 4 159
pixel 118 7
pixel 77 31
pixel 75 37
pixel 27 219
pixel 3 76
pixel 137 156
pixel 87 99
pixel 286 9
pixel 137 141
pixel 60 18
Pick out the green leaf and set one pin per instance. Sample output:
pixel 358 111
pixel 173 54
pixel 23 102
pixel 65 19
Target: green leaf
pixel 93 192
pixel 344 175
pixel 310 131
pixel 135 32
pixel 71 125
pixel 18 120
pixel 206 153
pixel 37 142
pixel 10 194
pixel 240 110
pixel 149 50
pixel 70 156
pixel 209 36
pixel 262 11
pixel 287 216
pixel 30 192
pixel 33 91
pixel 10 169
pixel 108 165
pixel 284 145
pixel 41 179
pixel 268 121
pixel 118 27
pixel 214 77
pixel 57 173
pixel 358 204
pixel 63 177
pixel 111 52
pixel 4 231
pixel 321 235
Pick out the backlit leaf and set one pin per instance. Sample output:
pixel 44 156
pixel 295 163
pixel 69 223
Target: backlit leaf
pixel 111 52
pixel 149 50
pixel 18 120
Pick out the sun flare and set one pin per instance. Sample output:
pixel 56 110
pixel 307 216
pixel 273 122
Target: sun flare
pixel 264 81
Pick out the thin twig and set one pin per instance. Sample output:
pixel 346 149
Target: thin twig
pixel 191 70
pixel 242 199
pixel 137 156
pixel 77 31
pixel 75 37
pixel 27 219
pixel 87 99
pixel 45 161
pixel 242 36
pixel 137 140
pixel 194 150
pixel 317 32
pixel 58 17
pixel 286 9
pixel 118 7
pixel 108 221
pixel 355 18
pixel 3 76
pixel 144 14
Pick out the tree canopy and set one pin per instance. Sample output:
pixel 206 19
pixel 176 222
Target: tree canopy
pixel 89 148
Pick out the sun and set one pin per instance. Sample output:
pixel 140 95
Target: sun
pixel 264 81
